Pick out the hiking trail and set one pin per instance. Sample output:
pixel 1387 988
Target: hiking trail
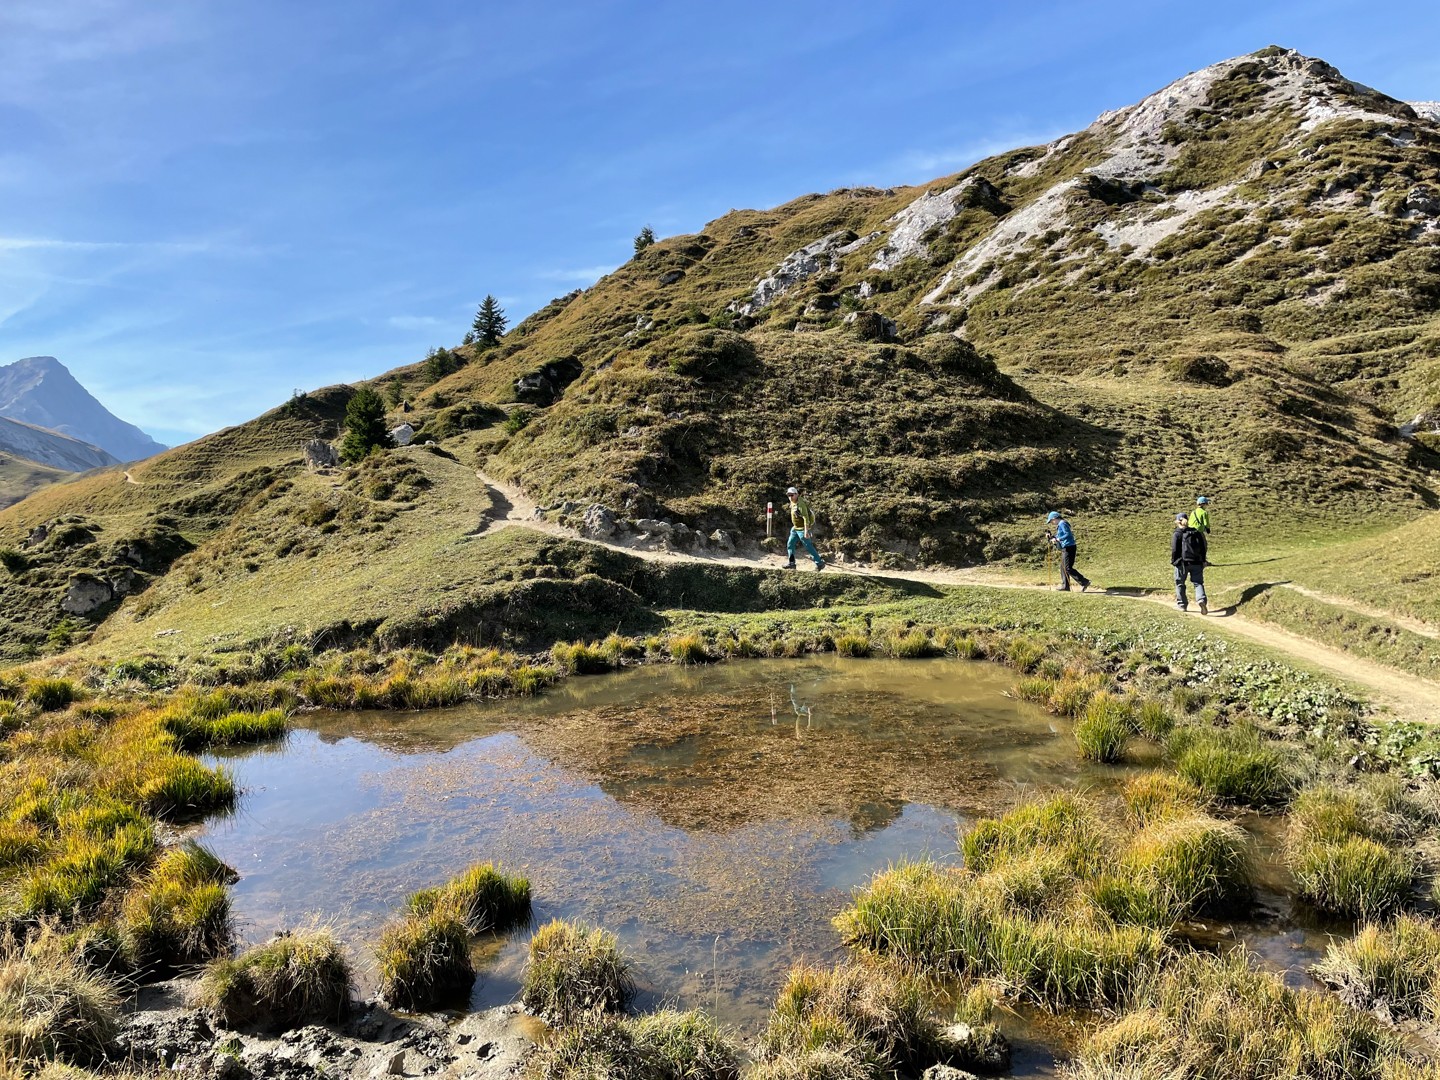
pixel 1407 696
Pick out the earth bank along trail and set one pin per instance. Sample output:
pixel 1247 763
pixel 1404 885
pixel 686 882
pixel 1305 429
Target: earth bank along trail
pixel 1407 696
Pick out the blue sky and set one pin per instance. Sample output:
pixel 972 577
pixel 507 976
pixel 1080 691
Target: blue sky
pixel 207 203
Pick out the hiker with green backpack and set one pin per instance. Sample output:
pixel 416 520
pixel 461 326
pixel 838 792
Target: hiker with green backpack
pixel 802 520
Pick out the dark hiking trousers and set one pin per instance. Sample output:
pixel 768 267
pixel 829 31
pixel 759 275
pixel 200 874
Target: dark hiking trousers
pixel 1195 572
pixel 1067 569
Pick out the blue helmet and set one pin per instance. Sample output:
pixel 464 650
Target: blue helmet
pixel 1202 500
pixel 1053 515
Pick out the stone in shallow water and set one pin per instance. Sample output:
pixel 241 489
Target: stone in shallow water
pixel 981 1048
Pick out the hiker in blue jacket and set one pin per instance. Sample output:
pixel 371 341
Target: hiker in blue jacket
pixel 1064 539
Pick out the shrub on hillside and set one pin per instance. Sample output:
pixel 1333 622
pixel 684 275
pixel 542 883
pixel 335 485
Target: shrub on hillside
pixel 710 353
pixel 1203 369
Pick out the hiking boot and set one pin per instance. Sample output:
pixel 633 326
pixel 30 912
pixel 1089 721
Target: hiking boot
pixel 790 565
pixel 1085 587
pixel 819 566
pixel 1062 588
pixel 1204 610
pixel 1179 607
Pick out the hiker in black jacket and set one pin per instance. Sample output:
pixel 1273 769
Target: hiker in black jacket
pixel 1187 555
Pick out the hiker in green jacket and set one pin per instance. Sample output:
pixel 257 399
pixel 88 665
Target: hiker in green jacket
pixel 802 520
pixel 1200 516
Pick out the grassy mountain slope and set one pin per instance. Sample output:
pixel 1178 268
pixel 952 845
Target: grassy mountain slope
pixel 1231 287
pixel 20 476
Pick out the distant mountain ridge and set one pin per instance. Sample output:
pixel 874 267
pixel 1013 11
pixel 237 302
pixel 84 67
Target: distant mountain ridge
pixel 51 448
pixel 41 392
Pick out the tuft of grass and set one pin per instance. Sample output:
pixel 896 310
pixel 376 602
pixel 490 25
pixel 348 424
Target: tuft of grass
pixel 294 979
pixel 856 645
pixel 655 1046
pixel 1153 796
pixel 424 960
pixel 182 788
pixel 907 644
pixel 52 1004
pixel 1035 688
pixel 194 731
pixel 574 973
pixel 1355 877
pixel 1063 823
pixel 1394 967
pixel 1104 729
pixel 578 658
pixel 864 1014
pixel 1337 852
pixel 485 899
pixel 1177 868
pixel 1233 765
pixel 1073 692
pixel 83 870
pixel 181 912
pixel 48 695
pixel 688 649
pixel 1153 720
pixel 1024 654
pixel 1217 1016
pixel 950 922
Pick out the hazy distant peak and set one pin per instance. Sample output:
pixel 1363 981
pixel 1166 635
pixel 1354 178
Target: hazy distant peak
pixel 40 391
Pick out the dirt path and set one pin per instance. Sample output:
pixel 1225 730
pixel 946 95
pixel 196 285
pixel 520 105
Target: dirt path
pixel 1407 696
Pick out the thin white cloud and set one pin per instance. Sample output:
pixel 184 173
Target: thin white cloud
pixel 413 322
pixel 917 166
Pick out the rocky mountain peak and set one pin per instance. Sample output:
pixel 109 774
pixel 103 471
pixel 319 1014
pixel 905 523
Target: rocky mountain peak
pixel 41 391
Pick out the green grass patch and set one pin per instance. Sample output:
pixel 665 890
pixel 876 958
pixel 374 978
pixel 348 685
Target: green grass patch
pixel 1345 854
pixel 1104 729
pixel 197 732
pixel 862 1019
pixel 1234 765
pixel 664 1044
pixel 485 899
pixel 296 978
pixel 180 914
pixel 575 973
pixel 1217 1016
pixel 1392 967
pixel 424 960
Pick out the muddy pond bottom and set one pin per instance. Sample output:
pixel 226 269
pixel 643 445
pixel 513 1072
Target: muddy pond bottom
pixel 715 818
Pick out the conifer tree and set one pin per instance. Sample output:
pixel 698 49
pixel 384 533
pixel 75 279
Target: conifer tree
pixel 395 393
pixel 365 429
pixel 644 239
pixel 489 322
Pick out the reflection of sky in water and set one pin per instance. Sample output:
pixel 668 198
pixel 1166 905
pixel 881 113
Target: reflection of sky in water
pixel 601 791
pixel 715 818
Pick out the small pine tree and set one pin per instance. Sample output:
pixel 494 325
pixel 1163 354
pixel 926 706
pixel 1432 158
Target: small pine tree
pixel 469 338
pixel 489 322
pixel 365 429
pixel 395 392
pixel 644 239
pixel 438 364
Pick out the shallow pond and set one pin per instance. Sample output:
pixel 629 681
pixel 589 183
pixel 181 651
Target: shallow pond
pixel 716 818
